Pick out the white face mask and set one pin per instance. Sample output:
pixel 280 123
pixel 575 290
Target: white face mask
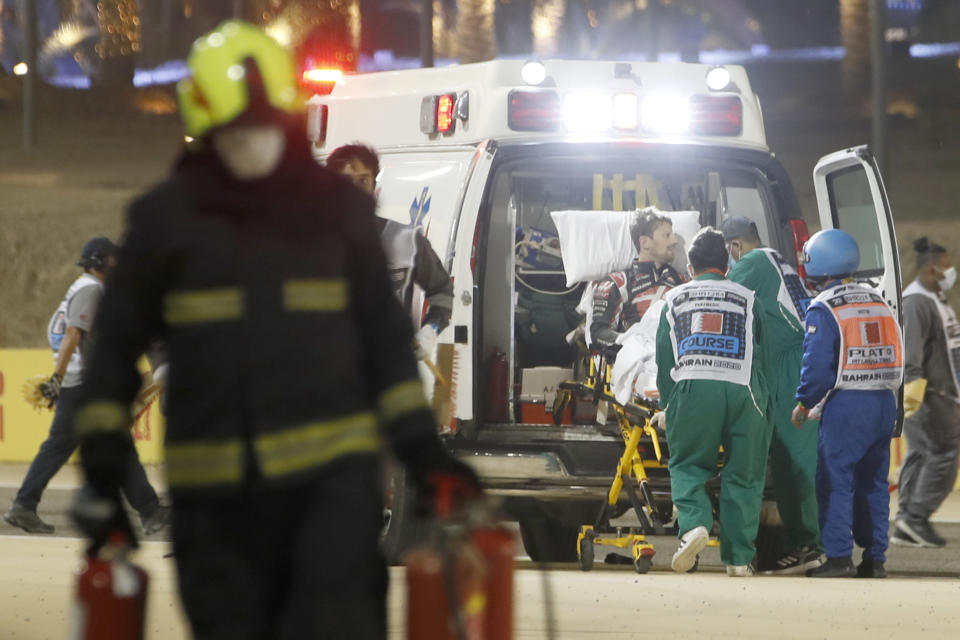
pixel 250 152
pixel 948 280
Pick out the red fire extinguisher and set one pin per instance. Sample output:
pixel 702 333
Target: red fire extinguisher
pixel 497 546
pixel 460 586
pixel 446 592
pixel 111 595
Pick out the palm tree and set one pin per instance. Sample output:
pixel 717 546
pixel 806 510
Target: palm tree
pixel 476 36
pixel 546 21
pixel 855 33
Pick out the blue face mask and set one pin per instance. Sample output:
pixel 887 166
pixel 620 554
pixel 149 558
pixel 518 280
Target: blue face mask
pixel 730 262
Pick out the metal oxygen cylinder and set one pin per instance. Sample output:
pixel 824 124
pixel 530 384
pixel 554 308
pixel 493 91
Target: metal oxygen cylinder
pixel 111 595
pixel 498 377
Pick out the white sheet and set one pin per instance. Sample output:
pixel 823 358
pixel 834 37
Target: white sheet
pixel 635 370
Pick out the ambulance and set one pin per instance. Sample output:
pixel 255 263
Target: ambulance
pixel 478 156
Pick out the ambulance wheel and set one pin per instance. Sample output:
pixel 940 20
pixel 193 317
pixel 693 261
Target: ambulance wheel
pixel 548 539
pixel 586 554
pixel 642 564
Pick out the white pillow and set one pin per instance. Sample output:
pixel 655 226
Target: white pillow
pixel 594 244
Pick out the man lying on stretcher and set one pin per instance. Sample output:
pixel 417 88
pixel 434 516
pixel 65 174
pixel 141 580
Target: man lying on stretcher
pixel 621 300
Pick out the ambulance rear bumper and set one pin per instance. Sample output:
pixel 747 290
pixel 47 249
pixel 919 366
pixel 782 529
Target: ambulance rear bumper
pixel 550 463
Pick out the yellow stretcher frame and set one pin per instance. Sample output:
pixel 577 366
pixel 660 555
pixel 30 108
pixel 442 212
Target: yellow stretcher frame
pixel 630 467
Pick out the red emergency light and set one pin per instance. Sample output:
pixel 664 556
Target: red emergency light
pixel 716 115
pixel 800 233
pixel 438 114
pixel 445 113
pixel 533 110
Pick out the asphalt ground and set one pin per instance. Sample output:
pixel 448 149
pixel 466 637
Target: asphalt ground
pixel 556 601
pixel 905 561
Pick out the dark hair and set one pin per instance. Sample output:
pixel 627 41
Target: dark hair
pixel 927 251
pixel 341 157
pixel 644 223
pixel 708 251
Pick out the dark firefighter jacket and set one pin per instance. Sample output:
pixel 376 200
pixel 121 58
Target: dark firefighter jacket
pixel 287 346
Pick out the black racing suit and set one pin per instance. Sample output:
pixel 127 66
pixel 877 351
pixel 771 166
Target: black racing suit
pixel 290 362
pixel 623 297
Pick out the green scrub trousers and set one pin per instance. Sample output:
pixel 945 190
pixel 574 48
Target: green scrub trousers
pixel 793 452
pixel 702 416
pixel 793 455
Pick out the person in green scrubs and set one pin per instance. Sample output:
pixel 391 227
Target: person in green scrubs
pixel 782 300
pixel 712 385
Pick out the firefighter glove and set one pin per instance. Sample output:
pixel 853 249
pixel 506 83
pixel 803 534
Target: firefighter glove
pixel 442 481
pixel 913 393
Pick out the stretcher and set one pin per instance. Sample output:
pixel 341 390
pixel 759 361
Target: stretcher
pixel 633 421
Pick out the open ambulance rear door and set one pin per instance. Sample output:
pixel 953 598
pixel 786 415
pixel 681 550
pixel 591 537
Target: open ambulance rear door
pixel 851 196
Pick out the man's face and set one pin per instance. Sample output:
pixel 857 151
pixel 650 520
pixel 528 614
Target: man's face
pixel 659 248
pixel 360 174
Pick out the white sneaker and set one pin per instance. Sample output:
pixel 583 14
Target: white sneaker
pixel 739 570
pixel 691 543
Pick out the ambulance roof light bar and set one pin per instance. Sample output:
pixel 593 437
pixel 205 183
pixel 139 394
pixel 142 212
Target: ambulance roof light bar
pixel 533 109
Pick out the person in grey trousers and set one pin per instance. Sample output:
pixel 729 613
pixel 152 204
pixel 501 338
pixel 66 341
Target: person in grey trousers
pixel 931 397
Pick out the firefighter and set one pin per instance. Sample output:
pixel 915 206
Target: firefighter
pixel 410 258
pixel 712 385
pixel 289 363
pixel 852 367
pixel 623 297
pixel 931 335
pixel 783 300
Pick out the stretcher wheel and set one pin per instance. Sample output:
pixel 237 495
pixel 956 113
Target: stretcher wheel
pixel 585 559
pixel 642 564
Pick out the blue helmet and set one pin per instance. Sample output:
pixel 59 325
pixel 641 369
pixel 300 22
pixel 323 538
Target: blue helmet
pixel 831 252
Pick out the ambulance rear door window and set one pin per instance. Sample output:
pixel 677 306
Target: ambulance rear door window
pixel 853 211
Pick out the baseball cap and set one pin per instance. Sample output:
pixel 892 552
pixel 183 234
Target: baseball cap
pixel 95 250
pixel 738 227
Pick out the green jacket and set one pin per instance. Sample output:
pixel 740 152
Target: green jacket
pixel 782 330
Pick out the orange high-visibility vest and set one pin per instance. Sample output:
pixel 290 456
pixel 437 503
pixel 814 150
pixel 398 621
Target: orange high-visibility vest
pixel 871 344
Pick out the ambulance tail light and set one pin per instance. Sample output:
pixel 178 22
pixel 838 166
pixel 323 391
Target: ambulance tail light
pixel 533 110
pixel 438 114
pixel 716 115
pixel 445 115
pixel 800 233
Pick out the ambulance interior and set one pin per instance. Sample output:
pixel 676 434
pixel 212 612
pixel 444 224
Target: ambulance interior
pixel 530 323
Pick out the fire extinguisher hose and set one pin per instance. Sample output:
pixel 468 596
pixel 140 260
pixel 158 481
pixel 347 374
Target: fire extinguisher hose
pixel 450 585
pixel 548 609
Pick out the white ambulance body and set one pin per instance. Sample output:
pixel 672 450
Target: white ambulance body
pixel 480 155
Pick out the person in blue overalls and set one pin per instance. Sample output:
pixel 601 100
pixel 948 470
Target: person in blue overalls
pixel 852 367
